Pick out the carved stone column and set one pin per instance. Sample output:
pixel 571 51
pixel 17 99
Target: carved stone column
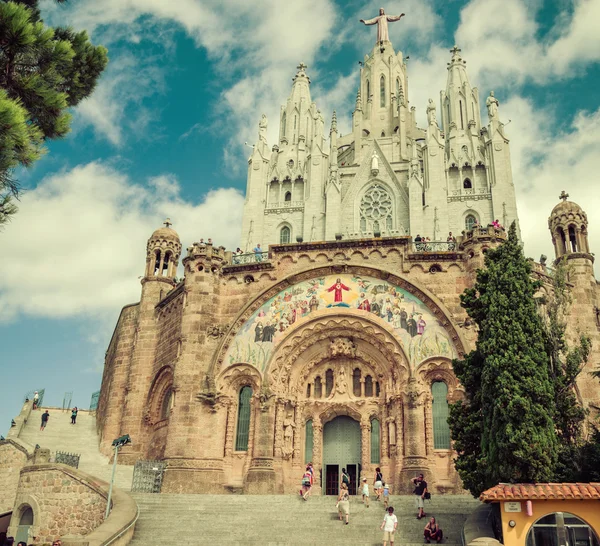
pixel 317 451
pixel 279 416
pixel 298 431
pixel 230 430
pixel 261 477
pixel 365 430
pixel 383 440
pixel 415 458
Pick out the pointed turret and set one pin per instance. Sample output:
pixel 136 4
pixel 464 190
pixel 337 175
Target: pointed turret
pixel 460 101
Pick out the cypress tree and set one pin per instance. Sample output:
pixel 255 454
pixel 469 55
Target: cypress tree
pixel 43 72
pixel 514 408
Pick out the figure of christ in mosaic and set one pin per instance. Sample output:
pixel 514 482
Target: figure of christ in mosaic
pixel 418 330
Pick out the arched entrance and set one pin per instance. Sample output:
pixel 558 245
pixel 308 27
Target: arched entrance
pixel 25 523
pixel 341 449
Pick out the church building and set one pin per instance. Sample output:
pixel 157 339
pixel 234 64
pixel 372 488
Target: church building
pixel 330 339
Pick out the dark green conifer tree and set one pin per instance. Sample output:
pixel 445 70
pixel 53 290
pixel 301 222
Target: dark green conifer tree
pixel 43 72
pixel 513 411
pixel 566 363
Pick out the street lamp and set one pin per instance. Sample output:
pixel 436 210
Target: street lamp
pixel 119 442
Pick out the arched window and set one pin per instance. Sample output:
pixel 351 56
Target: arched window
pixel 356 382
pixel 368 90
pixel 26 516
pixel 560 529
pixel 563 239
pixel 328 382
pixel 462 125
pixel 377 391
pixel 470 222
pixel 167 404
pixel 308 442
pixel 318 388
pixel 284 235
pixel 398 88
pixel 467 185
pixel 368 386
pixel 573 239
pixel 376 209
pixel 156 262
pixel 308 391
pixel 243 424
pixel 382 91
pixel 283 123
pixel 288 196
pixel 375 436
pixel 441 429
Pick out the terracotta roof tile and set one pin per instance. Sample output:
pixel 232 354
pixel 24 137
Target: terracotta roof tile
pixel 542 491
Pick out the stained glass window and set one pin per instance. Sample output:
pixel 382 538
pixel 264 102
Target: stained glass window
pixel 243 425
pixel 375 435
pixel 441 429
pixel 308 446
pixel 376 209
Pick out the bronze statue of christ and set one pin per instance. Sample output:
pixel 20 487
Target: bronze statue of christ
pixel 382 24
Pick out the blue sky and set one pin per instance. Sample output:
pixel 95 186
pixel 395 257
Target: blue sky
pixel 164 135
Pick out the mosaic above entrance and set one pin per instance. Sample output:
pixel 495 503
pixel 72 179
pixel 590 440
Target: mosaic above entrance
pixel 417 329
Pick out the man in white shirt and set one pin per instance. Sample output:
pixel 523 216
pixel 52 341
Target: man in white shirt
pixel 389 526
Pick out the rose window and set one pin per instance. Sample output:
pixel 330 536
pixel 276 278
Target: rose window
pixel 376 210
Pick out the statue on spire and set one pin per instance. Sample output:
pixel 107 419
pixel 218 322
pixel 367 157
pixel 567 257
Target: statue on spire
pixel 492 106
pixel 382 24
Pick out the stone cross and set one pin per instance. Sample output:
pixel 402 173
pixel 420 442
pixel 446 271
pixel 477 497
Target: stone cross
pixel 563 195
pixel 168 222
pixel 455 50
pixel 302 67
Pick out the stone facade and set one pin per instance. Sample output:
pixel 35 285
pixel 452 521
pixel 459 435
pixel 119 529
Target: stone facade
pixel 237 374
pixel 62 501
pixel 13 457
pixel 387 176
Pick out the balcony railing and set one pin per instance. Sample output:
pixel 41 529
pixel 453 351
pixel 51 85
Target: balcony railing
pixel 249 258
pixel 435 246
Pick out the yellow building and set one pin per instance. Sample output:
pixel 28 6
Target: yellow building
pixel 547 514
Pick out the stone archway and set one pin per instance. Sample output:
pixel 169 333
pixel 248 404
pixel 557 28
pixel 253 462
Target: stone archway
pixel 341 449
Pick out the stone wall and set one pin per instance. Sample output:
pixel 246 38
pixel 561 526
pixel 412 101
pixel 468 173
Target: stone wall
pixel 64 502
pixel 13 457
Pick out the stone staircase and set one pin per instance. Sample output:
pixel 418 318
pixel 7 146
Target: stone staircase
pixel 288 520
pixel 245 519
pixel 61 435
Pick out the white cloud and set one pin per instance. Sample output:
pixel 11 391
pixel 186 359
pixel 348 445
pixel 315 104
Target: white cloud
pixel 77 245
pixel 545 162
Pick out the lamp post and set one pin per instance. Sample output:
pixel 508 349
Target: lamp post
pixel 119 442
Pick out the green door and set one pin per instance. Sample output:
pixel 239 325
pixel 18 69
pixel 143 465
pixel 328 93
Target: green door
pixel 341 449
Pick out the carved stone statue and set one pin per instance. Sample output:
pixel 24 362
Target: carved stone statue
pixel 341 385
pixel 492 106
pixel 288 436
pixel 262 128
pixel 342 346
pixel 431 118
pixel 382 24
pixel 375 163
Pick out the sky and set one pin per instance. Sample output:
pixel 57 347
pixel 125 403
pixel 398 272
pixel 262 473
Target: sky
pixel 164 135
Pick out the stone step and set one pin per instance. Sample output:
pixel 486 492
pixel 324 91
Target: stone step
pixel 81 438
pixel 285 519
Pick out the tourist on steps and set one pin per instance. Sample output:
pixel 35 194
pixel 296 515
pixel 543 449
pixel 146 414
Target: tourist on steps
pixel 343 502
pixel 365 492
pixel 45 417
pixel 74 415
pixel 419 492
pixel 386 495
pixel 345 478
pixel 389 526
pixel 378 483
pixel 433 532
pixel 307 480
